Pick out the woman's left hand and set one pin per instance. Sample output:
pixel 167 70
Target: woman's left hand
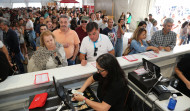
pixel 79 97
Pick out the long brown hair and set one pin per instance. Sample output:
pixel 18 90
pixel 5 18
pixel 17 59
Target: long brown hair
pixel 137 33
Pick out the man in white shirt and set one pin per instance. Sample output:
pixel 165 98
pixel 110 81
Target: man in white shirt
pixel 98 19
pixel 104 24
pixel 94 44
pixel 30 30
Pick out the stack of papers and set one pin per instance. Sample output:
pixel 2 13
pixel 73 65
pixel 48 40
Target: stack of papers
pixel 140 71
pixel 41 78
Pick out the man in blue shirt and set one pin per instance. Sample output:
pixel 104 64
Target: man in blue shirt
pixel 110 32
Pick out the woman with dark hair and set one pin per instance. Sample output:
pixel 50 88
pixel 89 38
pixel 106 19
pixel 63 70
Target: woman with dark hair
pixel 183 33
pixel 142 24
pixel 111 85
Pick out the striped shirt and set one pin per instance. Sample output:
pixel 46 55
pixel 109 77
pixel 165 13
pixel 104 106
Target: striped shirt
pixel 168 40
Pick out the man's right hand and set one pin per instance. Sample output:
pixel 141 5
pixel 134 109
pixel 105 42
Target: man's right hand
pixel 65 45
pixel 83 62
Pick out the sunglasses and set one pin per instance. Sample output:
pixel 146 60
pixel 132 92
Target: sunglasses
pixel 83 21
pixel 100 71
pixel 58 60
pixel 95 51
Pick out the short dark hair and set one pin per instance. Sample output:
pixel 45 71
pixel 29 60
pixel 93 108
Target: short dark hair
pixel 90 26
pixel 142 23
pixel 43 25
pixel 64 16
pixel 104 16
pixel 150 15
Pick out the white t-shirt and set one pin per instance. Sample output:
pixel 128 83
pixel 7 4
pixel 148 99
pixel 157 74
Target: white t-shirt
pixel 98 22
pixel 1 44
pixel 29 24
pixel 103 26
pixel 103 44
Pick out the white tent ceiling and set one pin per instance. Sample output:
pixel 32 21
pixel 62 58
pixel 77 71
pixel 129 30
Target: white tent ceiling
pixel 23 1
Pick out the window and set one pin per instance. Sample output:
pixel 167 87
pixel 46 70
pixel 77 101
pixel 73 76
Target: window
pixel 18 5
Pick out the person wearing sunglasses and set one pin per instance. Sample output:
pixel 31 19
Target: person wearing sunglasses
pixel 111 85
pixel 94 44
pixel 49 55
pixel 81 31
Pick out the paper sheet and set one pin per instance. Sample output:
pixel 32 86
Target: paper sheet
pixel 41 78
pixel 130 58
pixel 150 54
pixel 140 71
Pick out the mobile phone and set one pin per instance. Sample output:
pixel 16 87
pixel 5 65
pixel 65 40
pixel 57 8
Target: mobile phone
pixel 177 93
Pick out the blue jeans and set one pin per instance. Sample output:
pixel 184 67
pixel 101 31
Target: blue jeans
pixel 32 37
pixel 70 62
pixel 21 56
pixel 119 47
pixel 19 64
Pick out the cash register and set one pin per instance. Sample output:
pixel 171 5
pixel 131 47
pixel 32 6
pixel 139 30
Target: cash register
pixel 149 81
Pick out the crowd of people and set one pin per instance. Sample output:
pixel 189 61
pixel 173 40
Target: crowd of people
pixel 48 30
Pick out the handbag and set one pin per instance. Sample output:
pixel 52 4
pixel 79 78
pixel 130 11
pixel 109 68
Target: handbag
pixel 127 50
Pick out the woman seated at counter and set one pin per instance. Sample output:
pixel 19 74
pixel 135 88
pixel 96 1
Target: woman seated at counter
pixel 49 55
pixel 183 75
pixel 111 85
pixel 138 45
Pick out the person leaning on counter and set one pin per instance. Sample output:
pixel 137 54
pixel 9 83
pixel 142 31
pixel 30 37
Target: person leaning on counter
pixel 111 85
pixel 165 39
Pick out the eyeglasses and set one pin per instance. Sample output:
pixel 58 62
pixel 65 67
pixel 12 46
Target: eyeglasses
pixel 100 71
pixel 95 51
pixel 83 21
pixel 58 60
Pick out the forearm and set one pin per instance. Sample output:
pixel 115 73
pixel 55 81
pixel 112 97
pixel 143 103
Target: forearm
pixel 4 49
pixel 180 75
pixel 82 56
pixel 112 52
pixel 96 106
pixel 122 32
pixel 87 83
pixel 76 50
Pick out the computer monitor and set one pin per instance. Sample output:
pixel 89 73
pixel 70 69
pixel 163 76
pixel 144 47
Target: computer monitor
pixel 59 89
pixel 151 68
pixel 60 92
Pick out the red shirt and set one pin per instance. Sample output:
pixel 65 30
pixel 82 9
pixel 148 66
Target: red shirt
pixel 81 33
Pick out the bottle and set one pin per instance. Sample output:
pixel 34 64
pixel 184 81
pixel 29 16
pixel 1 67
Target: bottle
pixel 172 102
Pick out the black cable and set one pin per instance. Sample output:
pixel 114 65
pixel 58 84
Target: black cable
pixel 149 92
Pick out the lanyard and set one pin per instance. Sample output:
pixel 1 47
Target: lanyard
pixel 95 44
